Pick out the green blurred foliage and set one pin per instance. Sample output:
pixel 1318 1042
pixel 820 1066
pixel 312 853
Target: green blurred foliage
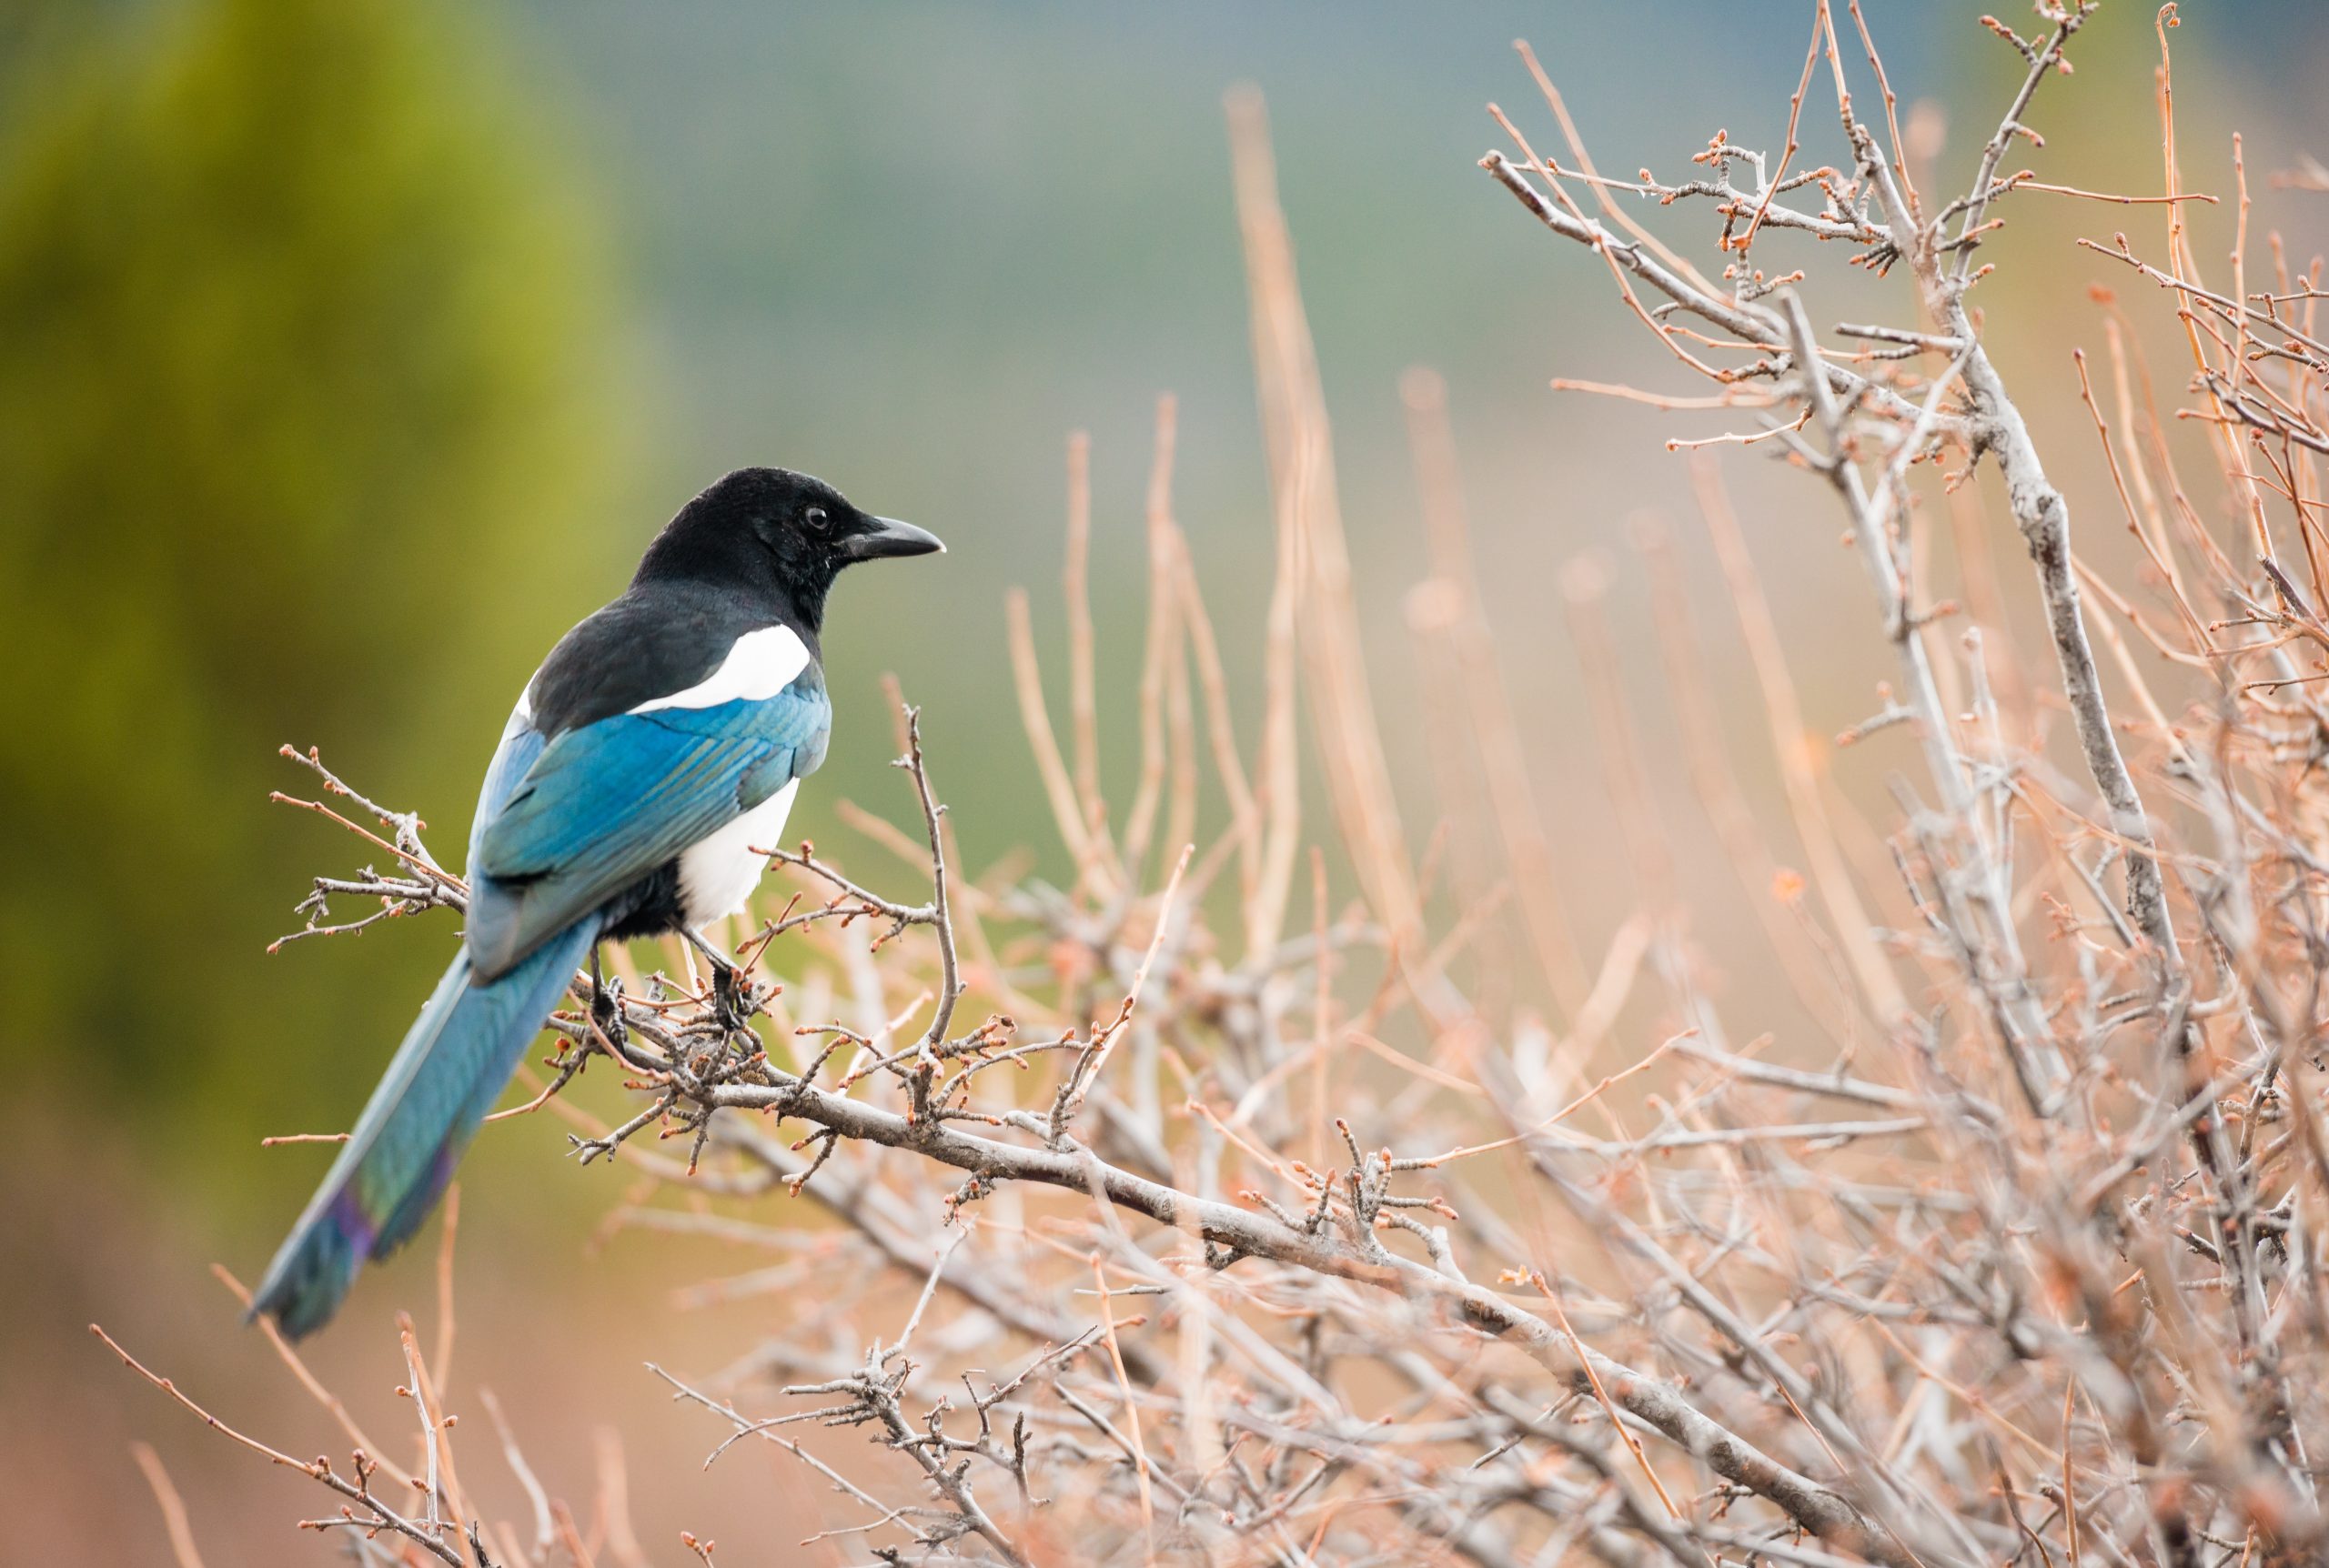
pixel 305 395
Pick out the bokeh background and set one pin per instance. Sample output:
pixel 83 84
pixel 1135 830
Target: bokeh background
pixel 349 350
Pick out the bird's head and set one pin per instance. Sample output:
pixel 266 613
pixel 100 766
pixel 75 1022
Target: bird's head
pixel 762 530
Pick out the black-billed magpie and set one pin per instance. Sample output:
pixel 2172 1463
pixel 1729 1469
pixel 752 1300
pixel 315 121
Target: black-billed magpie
pixel 658 745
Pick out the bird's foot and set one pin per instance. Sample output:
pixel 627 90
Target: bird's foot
pixel 605 1010
pixel 733 1001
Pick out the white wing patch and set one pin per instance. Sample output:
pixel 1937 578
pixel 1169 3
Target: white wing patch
pixel 717 874
pixel 759 665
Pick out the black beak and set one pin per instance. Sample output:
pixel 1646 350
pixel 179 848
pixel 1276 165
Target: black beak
pixel 889 537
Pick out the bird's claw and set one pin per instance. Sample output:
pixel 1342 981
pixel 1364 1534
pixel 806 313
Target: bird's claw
pixel 733 1002
pixel 605 1010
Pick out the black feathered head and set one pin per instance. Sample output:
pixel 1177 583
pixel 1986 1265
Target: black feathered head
pixel 770 530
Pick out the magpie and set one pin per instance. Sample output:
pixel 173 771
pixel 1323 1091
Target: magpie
pixel 655 751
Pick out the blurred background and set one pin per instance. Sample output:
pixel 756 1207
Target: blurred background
pixel 351 349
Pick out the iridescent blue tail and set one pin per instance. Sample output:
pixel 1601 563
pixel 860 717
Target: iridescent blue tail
pixel 454 1063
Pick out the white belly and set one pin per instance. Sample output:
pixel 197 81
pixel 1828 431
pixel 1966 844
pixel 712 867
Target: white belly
pixel 719 873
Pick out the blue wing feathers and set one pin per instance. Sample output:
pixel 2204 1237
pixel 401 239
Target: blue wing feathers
pixel 564 824
pixel 606 804
pixel 522 745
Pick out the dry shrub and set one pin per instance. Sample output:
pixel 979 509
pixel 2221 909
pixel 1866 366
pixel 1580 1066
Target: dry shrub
pixel 1225 1225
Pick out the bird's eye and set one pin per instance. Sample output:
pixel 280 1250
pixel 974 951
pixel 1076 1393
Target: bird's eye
pixel 816 519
